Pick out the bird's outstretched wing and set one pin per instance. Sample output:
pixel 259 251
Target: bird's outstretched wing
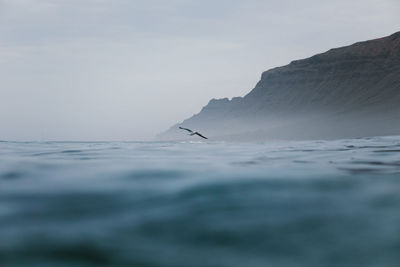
pixel 201 135
pixel 190 131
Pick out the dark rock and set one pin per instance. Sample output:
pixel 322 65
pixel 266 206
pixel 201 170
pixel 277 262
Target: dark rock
pixel 347 92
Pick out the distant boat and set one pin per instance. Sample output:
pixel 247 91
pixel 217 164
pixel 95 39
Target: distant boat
pixel 193 132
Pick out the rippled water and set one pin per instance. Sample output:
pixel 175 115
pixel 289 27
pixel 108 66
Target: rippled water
pixel 315 203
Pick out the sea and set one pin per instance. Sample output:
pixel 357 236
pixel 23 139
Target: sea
pixel 195 203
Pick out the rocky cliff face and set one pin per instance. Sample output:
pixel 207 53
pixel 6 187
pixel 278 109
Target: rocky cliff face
pixel 347 92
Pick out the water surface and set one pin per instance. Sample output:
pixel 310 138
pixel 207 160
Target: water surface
pixel 311 203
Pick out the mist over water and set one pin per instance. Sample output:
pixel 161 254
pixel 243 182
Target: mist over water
pixel 309 203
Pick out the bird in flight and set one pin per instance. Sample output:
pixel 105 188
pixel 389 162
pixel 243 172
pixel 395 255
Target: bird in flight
pixel 193 133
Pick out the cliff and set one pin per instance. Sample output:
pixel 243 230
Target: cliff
pixel 347 92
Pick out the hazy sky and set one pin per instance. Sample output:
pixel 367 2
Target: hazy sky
pixel 127 69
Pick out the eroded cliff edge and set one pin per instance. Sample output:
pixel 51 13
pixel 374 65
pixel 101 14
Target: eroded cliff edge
pixel 347 92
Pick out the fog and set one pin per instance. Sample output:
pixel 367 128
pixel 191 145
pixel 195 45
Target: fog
pixel 128 70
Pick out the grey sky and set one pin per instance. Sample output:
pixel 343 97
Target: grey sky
pixel 127 69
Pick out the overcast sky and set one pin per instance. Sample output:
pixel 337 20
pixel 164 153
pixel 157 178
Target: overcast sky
pixel 128 69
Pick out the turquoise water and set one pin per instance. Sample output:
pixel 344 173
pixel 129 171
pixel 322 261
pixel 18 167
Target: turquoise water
pixel 311 203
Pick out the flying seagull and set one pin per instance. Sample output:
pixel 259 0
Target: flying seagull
pixel 193 133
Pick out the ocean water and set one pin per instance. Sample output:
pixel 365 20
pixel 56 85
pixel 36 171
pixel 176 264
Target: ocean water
pixel 309 203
